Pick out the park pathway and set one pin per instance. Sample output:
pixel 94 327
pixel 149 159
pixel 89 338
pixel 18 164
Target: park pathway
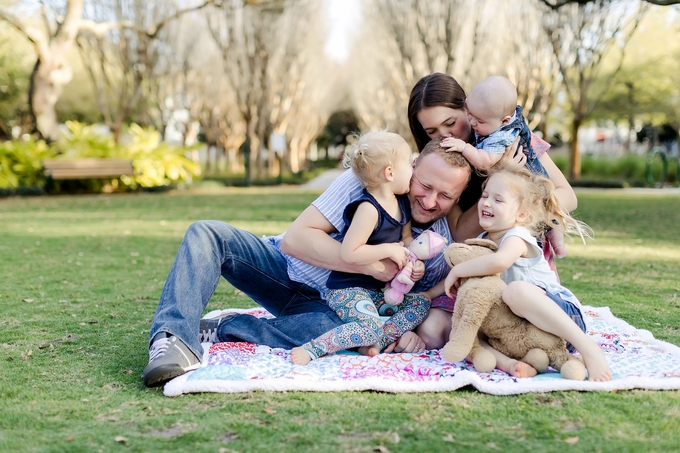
pixel 322 181
pixel 325 179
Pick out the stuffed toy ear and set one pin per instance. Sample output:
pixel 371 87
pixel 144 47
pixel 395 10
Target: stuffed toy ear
pixel 491 245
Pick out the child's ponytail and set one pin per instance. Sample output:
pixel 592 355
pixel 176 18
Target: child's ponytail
pixel 556 216
pixel 371 153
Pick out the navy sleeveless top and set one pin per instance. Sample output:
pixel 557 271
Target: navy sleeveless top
pixel 387 230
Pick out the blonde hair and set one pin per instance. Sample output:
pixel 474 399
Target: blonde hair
pixel 536 196
pixel 372 152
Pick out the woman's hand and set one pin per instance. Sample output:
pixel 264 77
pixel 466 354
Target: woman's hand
pixel 514 154
pixel 409 342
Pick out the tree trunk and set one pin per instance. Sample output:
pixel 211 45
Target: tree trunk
pixel 574 155
pixel 631 114
pixel 47 85
pixel 52 72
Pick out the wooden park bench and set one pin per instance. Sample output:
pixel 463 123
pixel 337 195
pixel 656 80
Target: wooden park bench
pixel 88 168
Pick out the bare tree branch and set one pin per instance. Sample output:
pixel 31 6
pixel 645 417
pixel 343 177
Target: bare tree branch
pixel 581 35
pixel 557 4
pixel 32 34
pixel 152 32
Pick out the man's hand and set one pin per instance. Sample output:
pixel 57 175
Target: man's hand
pixel 409 342
pixel 383 270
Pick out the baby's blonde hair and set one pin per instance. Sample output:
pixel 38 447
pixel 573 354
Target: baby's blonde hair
pixel 536 196
pixel 372 152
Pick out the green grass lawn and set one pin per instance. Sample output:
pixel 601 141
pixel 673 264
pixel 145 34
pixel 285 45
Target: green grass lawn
pixel 81 280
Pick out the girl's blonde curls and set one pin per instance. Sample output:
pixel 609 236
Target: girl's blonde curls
pixel 536 195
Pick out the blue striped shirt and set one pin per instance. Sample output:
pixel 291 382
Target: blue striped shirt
pixel 331 204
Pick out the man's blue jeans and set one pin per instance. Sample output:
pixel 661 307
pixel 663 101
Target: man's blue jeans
pixel 250 264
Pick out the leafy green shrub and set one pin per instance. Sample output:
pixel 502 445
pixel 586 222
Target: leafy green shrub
pixel 81 140
pixel 625 167
pixel 600 183
pixel 630 167
pixel 239 179
pixel 20 163
pixel 21 191
pixel 155 162
pixel 628 170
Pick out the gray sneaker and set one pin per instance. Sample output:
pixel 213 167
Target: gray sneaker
pixel 169 357
pixel 207 329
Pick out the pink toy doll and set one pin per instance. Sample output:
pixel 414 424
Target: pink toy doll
pixel 427 245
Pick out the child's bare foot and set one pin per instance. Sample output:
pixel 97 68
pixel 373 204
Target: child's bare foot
pixel 518 369
pixel 370 351
pixel 513 367
pixel 522 370
pixel 300 356
pixel 595 362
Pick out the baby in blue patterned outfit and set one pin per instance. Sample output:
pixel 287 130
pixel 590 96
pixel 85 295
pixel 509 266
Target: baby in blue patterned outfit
pixel 497 121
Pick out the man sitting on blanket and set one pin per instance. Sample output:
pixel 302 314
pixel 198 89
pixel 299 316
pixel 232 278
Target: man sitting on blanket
pixel 290 289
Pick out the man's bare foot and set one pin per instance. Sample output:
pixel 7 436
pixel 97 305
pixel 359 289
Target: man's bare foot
pixel 522 370
pixel 300 356
pixel 370 351
pixel 595 362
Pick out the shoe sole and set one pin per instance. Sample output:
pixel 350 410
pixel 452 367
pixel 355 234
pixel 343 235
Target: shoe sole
pixel 162 375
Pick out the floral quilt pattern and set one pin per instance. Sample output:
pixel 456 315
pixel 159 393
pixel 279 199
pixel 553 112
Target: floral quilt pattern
pixel 637 360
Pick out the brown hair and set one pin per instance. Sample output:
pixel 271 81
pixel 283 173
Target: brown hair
pixel 455 160
pixel 433 90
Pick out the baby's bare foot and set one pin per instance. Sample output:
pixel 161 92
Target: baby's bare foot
pixel 370 351
pixel 522 370
pixel 300 356
pixel 596 363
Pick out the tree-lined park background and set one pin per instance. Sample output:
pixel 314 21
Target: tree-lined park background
pixel 249 90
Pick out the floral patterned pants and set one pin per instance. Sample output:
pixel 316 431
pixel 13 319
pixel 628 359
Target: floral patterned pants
pixel 359 308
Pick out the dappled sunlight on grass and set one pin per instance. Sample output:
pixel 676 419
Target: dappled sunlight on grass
pixel 119 228
pixel 262 211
